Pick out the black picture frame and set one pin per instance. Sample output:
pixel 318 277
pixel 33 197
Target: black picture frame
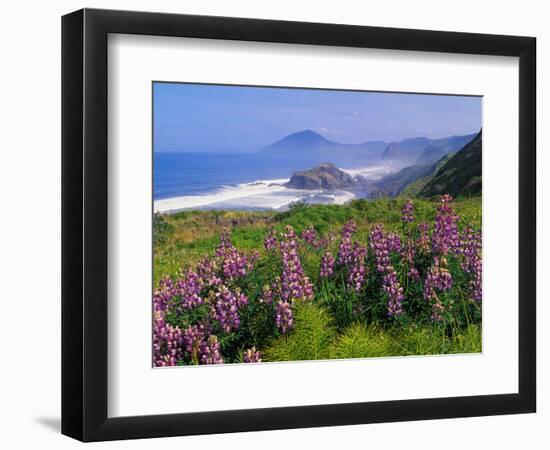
pixel 84 224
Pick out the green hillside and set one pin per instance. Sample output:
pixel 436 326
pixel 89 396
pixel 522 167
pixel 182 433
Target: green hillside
pixel 461 175
pixel 413 189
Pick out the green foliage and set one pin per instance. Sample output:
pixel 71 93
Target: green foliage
pixel 432 340
pixel 362 341
pixel 314 337
pixel 311 337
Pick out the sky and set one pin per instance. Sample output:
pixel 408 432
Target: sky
pixel 217 118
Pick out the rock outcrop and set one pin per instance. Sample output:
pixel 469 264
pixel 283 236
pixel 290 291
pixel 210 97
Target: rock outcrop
pixel 324 176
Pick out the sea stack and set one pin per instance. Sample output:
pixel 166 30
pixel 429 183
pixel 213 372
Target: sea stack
pixel 324 176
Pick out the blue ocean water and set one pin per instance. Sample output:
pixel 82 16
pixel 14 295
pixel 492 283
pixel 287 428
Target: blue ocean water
pixel 184 174
pixel 246 181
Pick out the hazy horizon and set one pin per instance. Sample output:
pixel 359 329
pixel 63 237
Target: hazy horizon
pixel 197 118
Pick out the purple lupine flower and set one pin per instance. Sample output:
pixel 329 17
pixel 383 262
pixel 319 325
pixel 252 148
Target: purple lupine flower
pixel 445 235
pixel 202 347
pixel 251 355
pixel 267 295
pixel 283 316
pixel 209 351
pixel 476 282
pixel 295 285
pixel 408 212
pixel 408 253
pixel 358 269
pixel 233 263
pixel 423 242
pixel 394 291
pixel 322 242
pixel 271 292
pixel 345 247
pixel 192 337
pixel 226 308
pixel 394 242
pixel 207 271
pixel 167 342
pixel 189 288
pixel 438 279
pixel 327 265
pixel 380 247
pixel 270 241
pixel 470 249
pixel 254 257
pixel 413 274
pixel 309 235
pixel 162 296
pixel 437 310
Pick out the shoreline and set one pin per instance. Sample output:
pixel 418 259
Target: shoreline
pixel 267 195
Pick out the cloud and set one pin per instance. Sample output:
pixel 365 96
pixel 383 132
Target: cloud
pixel 322 129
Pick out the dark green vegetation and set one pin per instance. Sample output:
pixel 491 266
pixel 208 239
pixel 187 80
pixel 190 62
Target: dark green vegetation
pixel 458 174
pixel 412 189
pixel 461 175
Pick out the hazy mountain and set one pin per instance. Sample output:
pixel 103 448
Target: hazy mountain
pixel 392 152
pixel 306 140
pixel 309 142
pixel 461 175
pixel 441 147
pixel 408 151
pixel 393 184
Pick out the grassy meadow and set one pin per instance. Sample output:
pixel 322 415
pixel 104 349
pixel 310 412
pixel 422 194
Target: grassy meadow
pixel 243 286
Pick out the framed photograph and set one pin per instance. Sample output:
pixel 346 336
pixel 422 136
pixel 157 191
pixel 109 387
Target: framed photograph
pixel 273 224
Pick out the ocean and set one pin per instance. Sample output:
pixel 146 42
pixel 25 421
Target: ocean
pixel 246 181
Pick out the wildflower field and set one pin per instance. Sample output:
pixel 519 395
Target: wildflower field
pixel 385 277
